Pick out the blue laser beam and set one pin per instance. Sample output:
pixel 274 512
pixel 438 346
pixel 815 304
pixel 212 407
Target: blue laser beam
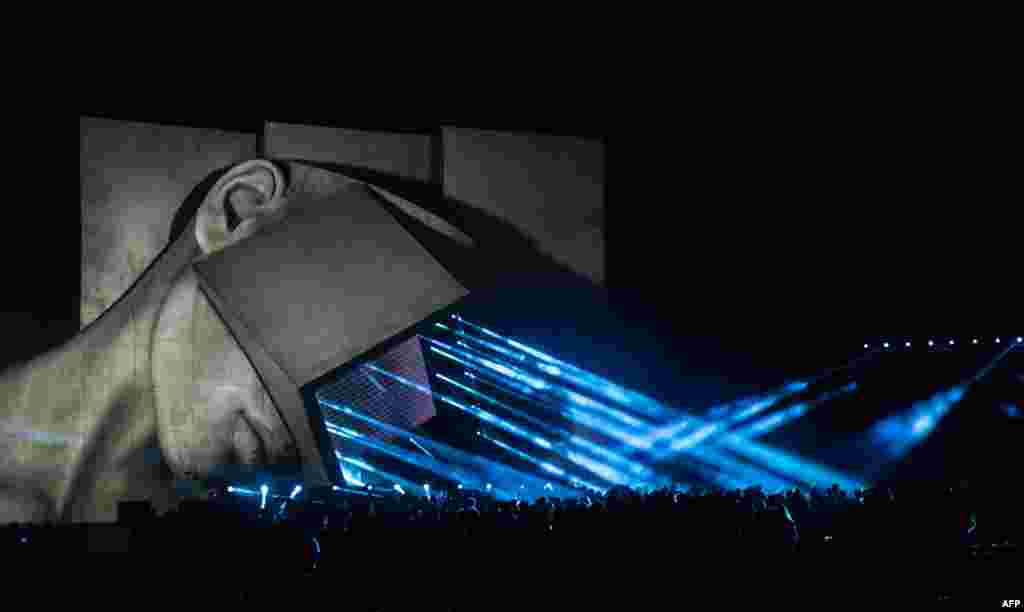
pixel 394 478
pixel 559 368
pixel 492 469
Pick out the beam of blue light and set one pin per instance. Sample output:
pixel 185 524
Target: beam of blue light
pixel 738 410
pixel 577 415
pixel 557 367
pixel 473 410
pixel 331 427
pixel 730 472
pixel 296 491
pixel 603 471
pixel 399 489
pixel 529 390
pixel 773 457
pixel 582 400
pixel 670 431
pixel 513 373
pixel 505 383
pixel 420 446
pixel 801 469
pixel 897 435
pixel 356 462
pixel 351 479
pixel 755 408
pixel 611 430
pixel 547 467
pixel 491 346
pixel 263 499
pixel 431 465
pixel 696 437
pixel 553 469
pixel 398 480
pixel 922 425
pixel 636 468
pixel 777 420
pixel 613 457
pixel 373 380
pixel 601 426
pixel 242 491
pixel 511 449
pixel 762 426
pixel 495 470
pixel 494 402
pixel 796 468
pixel 636 441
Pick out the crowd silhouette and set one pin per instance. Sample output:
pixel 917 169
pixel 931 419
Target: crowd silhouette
pixel 591 545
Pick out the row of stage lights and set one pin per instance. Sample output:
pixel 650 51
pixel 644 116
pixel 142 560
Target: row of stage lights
pixel 264 491
pixel 932 343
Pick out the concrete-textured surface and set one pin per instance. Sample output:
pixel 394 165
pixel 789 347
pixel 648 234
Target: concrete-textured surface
pixel 133 178
pixel 406 155
pixel 550 187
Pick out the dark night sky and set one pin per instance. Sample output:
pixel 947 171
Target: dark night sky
pixel 776 241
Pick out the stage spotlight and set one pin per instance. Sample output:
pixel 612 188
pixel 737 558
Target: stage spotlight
pixel 885 345
pixel 231 489
pixel 548 487
pixel 398 488
pixel 488 486
pixel 369 487
pixel 263 492
pixel 426 488
pixel 908 344
pixel 951 342
pixel 997 340
pixel 296 491
pixel 1020 339
pixel 975 340
pixel 460 486
pixel 866 346
pixel 931 343
pixel 336 488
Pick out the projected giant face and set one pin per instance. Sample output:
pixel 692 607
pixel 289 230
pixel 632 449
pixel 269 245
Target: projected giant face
pixel 212 410
pixel 160 379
